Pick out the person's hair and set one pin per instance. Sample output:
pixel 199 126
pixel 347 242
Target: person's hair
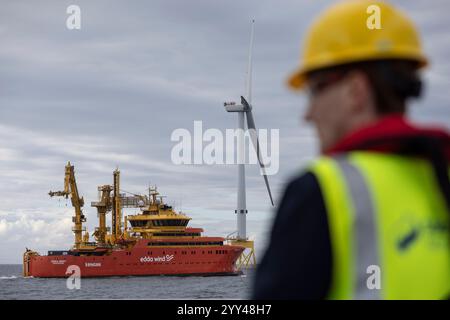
pixel 393 82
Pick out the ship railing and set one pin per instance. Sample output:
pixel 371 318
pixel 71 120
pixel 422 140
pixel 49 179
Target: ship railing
pixel 229 236
pixel 132 202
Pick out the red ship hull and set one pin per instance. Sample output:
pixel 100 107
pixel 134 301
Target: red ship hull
pixel 141 260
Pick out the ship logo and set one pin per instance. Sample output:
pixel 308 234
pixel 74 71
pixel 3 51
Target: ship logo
pixel 166 258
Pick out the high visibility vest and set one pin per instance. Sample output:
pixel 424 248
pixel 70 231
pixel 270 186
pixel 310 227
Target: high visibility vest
pixel 389 227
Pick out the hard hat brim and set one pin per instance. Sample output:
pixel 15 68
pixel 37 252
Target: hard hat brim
pixel 297 80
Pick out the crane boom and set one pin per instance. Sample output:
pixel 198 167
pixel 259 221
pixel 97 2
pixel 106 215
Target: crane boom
pixel 71 189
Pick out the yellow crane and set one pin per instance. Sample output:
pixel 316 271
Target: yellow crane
pixel 103 206
pixel 110 199
pixel 70 188
pixel 114 202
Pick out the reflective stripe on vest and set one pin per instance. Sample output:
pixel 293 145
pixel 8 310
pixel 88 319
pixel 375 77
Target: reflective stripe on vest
pixel 365 241
pixel 385 211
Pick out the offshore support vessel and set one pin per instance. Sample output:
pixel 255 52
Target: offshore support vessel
pixel 158 241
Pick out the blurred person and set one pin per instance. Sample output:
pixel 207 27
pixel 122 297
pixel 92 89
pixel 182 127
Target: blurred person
pixel 369 219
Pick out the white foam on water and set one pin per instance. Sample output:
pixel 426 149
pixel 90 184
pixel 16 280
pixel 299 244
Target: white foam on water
pixel 7 277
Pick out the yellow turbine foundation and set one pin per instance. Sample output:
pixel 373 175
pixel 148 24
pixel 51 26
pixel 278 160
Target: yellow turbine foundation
pixel 247 259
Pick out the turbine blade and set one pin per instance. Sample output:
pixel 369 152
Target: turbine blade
pixel 254 137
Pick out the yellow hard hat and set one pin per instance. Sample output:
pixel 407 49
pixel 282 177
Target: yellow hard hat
pixel 342 35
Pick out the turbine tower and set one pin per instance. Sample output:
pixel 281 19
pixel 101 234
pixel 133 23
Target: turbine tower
pixel 244 112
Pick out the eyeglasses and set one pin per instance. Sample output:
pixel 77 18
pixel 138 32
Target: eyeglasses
pixel 319 83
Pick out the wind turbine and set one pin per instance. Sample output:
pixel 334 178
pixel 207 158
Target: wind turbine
pixel 244 112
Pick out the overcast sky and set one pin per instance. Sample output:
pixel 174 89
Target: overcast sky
pixel 112 93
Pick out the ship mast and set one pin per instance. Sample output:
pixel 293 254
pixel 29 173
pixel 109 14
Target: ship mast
pixel 70 188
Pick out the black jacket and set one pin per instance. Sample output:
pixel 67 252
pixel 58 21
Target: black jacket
pixel 297 263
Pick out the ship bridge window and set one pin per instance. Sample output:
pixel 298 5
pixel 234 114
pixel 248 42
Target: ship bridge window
pixel 170 223
pixel 171 234
pixel 185 244
pixel 138 223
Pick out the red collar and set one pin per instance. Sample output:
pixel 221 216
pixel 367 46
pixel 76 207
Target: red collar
pixel 392 134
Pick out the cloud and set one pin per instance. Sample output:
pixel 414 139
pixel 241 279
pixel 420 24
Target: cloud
pixel 30 229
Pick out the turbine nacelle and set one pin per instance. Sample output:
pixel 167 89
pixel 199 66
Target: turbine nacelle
pixel 233 107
